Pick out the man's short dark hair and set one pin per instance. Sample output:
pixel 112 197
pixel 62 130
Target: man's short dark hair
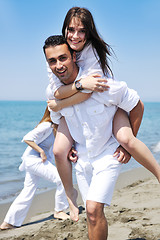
pixel 56 40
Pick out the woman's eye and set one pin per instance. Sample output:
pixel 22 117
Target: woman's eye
pixel 83 31
pixel 70 29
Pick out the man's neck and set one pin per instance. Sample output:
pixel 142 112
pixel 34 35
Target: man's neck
pixel 74 75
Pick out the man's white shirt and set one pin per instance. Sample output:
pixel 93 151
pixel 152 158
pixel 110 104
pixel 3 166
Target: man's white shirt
pixel 90 122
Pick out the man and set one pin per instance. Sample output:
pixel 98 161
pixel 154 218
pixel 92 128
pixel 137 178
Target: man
pixel 90 124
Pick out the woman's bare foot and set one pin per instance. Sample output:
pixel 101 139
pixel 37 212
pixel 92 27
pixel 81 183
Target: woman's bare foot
pixel 5 226
pixel 61 215
pixel 74 211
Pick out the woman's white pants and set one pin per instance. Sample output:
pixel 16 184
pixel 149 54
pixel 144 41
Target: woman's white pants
pixel 35 169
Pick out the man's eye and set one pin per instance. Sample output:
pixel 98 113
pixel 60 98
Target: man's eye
pixel 52 61
pixel 62 59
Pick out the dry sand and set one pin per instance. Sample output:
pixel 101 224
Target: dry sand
pixel 133 215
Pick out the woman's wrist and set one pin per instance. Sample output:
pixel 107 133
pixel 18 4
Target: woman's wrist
pixel 41 151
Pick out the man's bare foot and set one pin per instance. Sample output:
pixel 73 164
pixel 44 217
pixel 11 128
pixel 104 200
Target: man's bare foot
pixel 74 211
pixel 61 215
pixel 5 226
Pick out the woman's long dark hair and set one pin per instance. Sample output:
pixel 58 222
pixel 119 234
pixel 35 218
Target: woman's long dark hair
pixel 102 48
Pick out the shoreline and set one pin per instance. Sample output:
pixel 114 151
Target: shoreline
pixel 130 186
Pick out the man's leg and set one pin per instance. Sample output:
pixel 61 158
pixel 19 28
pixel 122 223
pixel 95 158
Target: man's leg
pixel 97 223
pixel 83 181
pixel 106 169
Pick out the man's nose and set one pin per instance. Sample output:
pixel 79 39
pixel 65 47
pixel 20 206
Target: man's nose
pixel 59 65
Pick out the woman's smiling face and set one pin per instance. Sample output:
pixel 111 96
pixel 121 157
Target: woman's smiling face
pixel 76 34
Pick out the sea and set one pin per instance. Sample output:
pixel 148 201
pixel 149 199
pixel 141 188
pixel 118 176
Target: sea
pixel 19 117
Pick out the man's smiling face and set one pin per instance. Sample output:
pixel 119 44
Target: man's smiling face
pixel 61 62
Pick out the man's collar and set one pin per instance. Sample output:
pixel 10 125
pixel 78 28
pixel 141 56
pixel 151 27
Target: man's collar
pixel 79 74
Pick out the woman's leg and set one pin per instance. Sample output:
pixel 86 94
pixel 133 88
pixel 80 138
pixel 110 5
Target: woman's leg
pixel 139 151
pixel 19 208
pixel 48 171
pixel 62 145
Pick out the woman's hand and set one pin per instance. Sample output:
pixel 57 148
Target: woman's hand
pixel 122 155
pixel 95 83
pixel 33 145
pixel 54 105
pixel 43 156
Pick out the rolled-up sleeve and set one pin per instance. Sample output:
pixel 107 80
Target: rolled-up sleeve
pixel 129 99
pixel 39 133
pixel 55 117
pixel 118 95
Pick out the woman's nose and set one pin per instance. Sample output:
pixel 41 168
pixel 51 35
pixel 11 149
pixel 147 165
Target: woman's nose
pixel 75 34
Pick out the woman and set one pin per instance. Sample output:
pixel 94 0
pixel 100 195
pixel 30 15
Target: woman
pixel 92 56
pixel 37 162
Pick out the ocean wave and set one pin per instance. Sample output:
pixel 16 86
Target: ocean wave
pixel 9 196
pixel 6 181
pixel 156 148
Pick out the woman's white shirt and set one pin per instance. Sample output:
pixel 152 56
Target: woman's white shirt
pixel 43 136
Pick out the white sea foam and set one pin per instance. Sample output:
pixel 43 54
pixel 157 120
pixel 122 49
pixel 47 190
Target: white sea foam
pixel 156 148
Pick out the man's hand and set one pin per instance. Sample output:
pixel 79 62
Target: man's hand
pixel 95 83
pixel 72 155
pixel 122 155
pixel 54 105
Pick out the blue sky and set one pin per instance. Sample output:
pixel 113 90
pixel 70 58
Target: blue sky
pixel 131 27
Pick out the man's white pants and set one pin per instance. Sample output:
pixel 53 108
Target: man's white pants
pixel 35 169
pixel 96 177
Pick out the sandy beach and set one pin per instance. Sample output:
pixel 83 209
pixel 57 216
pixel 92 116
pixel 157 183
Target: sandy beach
pixel 133 215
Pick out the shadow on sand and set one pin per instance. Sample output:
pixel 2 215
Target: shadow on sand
pixel 51 217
